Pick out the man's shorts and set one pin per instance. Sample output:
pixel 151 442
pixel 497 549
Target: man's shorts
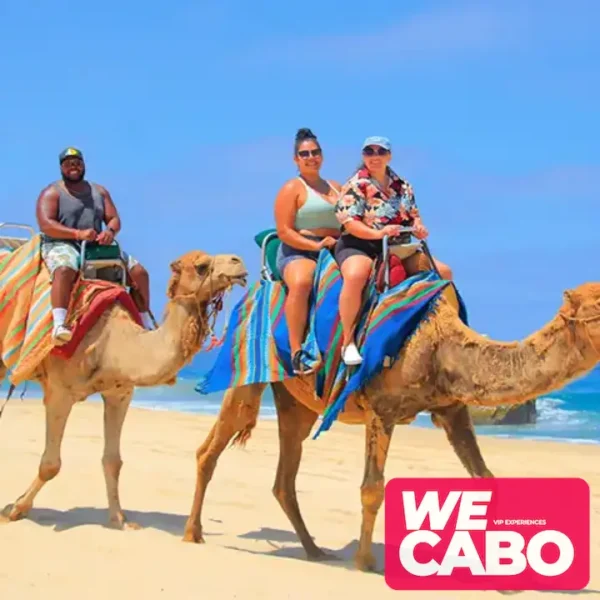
pixel 62 254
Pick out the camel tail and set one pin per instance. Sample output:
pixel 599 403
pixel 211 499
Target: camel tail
pixel 242 437
pixel 244 403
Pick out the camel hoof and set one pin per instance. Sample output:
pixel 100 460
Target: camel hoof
pixel 122 524
pixel 193 536
pixel 13 512
pixel 365 563
pixel 322 556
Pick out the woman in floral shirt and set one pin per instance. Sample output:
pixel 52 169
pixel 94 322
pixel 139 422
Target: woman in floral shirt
pixel 373 203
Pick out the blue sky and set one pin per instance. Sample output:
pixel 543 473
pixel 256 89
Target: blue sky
pixel 187 111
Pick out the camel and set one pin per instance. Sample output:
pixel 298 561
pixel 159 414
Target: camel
pixel 116 355
pixel 444 368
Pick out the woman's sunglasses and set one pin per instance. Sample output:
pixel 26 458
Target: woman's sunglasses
pixel 307 153
pixel 370 151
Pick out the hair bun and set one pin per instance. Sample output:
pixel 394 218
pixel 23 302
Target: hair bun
pixel 305 134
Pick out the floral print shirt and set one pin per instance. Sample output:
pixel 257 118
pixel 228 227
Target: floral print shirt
pixel 363 199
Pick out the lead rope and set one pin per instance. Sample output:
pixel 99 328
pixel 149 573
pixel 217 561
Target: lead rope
pixel 215 341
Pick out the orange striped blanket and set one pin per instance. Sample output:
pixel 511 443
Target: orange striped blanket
pixel 26 312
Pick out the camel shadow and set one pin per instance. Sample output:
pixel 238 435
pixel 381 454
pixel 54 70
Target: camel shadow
pixel 341 557
pixel 344 557
pixel 87 515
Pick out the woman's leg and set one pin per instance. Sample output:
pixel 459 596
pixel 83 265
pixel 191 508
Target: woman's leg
pixel 419 262
pixel 298 276
pixel 444 270
pixel 355 271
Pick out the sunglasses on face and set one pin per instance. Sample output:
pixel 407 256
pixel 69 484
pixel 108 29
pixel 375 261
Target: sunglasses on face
pixel 379 151
pixel 72 162
pixel 307 153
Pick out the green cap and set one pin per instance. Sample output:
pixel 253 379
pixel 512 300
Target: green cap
pixel 68 153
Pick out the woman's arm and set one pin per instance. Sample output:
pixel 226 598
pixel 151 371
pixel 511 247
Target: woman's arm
pixel 286 207
pixel 350 210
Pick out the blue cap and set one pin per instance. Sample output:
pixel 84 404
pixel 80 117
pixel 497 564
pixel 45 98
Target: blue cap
pixel 376 140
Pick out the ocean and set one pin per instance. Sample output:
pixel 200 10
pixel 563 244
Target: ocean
pixel 571 414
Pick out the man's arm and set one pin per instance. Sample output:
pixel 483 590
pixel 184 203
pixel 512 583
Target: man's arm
pixel 111 215
pixel 46 212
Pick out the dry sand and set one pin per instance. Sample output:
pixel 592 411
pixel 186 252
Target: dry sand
pixel 62 551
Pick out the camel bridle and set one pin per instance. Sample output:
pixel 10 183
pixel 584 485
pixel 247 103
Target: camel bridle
pixel 214 305
pixel 584 321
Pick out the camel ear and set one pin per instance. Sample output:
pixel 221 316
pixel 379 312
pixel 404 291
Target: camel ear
pixel 568 295
pixel 176 267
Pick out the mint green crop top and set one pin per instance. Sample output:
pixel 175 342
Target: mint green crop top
pixel 316 212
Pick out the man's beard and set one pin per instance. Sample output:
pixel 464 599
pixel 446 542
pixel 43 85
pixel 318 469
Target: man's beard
pixel 68 179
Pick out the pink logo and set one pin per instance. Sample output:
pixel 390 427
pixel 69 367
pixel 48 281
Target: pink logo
pixel 487 534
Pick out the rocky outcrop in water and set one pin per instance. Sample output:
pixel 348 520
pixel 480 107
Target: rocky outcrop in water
pixel 521 414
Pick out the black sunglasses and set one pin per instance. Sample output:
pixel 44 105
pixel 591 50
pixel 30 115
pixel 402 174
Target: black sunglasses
pixel 307 153
pixel 370 151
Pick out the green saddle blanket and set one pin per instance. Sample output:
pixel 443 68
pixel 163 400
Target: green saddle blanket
pixel 271 246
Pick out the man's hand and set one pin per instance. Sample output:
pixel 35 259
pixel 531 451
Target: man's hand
pixel 105 238
pixel 89 235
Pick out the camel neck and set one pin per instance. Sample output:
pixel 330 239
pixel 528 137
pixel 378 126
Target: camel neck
pixel 164 351
pixel 492 373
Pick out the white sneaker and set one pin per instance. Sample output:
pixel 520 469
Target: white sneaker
pixel 62 334
pixel 350 355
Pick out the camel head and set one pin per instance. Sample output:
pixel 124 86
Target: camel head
pixel 199 277
pixel 581 310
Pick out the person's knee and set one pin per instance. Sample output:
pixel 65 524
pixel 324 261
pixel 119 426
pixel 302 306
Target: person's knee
pixel 64 276
pixel 139 272
pixel 300 287
pixel 298 277
pixel 355 276
pixel 445 271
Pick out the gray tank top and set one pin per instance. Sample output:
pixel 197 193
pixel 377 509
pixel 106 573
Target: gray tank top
pixel 80 211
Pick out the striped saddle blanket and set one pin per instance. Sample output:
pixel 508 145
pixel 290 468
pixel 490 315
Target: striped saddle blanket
pixel 256 347
pixel 26 312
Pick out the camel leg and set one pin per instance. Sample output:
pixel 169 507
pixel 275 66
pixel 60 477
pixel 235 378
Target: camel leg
pixel 295 422
pixel 58 408
pixel 115 411
pixel 372 490
pixel 238 414
pixel 457 423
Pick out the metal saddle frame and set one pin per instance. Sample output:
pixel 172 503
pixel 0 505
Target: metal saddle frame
pixel 403 251
pixel 103 262
pixel 400 250
pixel 96 261
pixel 9 242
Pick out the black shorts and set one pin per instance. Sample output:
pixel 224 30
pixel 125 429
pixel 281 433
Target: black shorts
pixel 349 245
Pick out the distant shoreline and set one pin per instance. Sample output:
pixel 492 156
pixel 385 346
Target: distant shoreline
pixel 500 432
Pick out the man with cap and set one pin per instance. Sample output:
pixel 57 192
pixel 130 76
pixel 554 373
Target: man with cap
pixel 69 211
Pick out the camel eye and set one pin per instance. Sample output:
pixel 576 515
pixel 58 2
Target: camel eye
pixel 201 269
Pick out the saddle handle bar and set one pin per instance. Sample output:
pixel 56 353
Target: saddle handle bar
pixel 19 226
pixel 385 253
pixel 83 262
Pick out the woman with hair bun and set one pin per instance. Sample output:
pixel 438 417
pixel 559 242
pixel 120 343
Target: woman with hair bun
pixel 306 223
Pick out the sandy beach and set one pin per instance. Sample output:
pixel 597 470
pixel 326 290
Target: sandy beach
pixel 63 551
